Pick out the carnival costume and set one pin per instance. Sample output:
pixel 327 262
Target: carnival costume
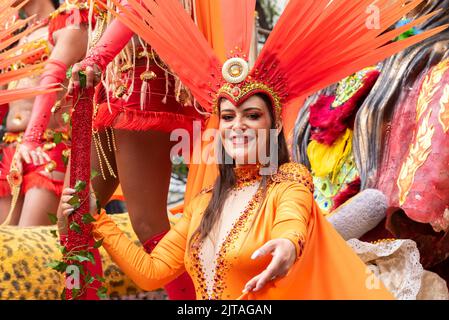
pixel 56 143
pixel 10 32
pixel 138 92
pixel 295 61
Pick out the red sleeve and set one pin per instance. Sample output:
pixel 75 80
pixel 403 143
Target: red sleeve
pixel 54 73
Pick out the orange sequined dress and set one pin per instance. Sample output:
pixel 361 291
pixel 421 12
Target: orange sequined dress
pixel 326 267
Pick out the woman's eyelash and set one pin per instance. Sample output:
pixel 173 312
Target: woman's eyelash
pixel 227 117
pixel 254 116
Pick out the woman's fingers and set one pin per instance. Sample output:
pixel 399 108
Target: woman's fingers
pixel 278 266
pixel 65 206
pixel 25 156
pixel 89 77
pixel 268 247
pixel 46 156
pixel 251 284
pixel 75 69
pixel 40 157
pixel 34 157
pixel 68 212
pixel 68 191
pixel 75 79
pixel 264 278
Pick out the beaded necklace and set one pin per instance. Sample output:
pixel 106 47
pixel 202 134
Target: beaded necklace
pixel 246 176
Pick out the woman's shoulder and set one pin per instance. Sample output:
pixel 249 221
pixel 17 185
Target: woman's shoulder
pixel 203 196
pixel 293 172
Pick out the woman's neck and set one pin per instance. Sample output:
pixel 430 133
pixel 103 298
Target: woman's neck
pixel 246 175
pixel 40 8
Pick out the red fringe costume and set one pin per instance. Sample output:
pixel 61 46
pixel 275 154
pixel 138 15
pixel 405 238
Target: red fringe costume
pixel 33 176
pixel 138 92
pixel 37 134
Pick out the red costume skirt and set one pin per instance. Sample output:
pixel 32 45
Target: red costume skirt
pixel 33 176
pixel 160 112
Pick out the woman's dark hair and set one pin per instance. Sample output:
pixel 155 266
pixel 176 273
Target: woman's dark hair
pixel 226 180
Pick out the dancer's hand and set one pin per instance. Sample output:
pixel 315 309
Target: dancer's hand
pixel 92 72
pixel 30 154
pixel 284 256
pixel 67 209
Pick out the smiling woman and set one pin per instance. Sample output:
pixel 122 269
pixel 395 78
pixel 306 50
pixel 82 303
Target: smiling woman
pixel 256 231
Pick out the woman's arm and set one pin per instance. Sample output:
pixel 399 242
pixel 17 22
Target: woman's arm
pixel 293 211
pixel 114 39
pixel 148 271
pixel 293 205
pixel 70 46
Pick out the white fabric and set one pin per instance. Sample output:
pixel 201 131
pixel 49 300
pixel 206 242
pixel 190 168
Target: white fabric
pixel 396 264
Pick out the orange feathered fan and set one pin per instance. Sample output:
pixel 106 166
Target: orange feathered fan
pixel 10 33
pixel 314 44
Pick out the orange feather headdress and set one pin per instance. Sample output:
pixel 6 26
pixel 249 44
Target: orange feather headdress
pixel 314 44
pixel 10 32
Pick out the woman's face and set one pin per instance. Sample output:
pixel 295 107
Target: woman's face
pixel 245 130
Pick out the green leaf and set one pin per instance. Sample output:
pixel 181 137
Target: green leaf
pixel 78 258
pixel 87 218
pixel 102 292
pixel 98 205
pixel 66 117
pixel 74 202
pixel 53 218
pixel 75 293
pixel 99 278
pixel 59 266
pixel 54 233
pixel 68 73
pixel 57 137
pixel 83 79
pixel 89 279
pixel 80 185
pixel 64 294
pixel 91 257
pixel 65 160
pixel 75 227
pixel 62 249
pixel 98 244
pixel 94 173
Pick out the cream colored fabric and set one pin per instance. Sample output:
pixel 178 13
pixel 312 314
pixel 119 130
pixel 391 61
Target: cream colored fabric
pixel 396 263
pixel 212 244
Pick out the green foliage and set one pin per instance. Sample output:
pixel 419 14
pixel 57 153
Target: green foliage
pixel 87 218
pixel 57 137
pixel 74 202
pixel 75 227
pixel 53 218
pixel 66 117
pixel 80 185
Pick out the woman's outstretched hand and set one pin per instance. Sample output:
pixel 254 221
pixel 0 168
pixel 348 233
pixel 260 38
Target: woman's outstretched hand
pixel 284 256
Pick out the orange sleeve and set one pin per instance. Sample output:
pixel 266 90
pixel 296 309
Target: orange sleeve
pixel 293 210
pixel 148 271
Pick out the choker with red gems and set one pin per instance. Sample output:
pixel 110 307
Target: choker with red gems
pixel 246 175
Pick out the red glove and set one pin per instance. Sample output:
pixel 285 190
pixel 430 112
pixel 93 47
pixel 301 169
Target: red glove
pixel 54 73
pixel 115 38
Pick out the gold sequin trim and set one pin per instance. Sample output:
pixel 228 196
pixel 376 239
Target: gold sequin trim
pixel 223 264
pixel 294 172
pixel 240 91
